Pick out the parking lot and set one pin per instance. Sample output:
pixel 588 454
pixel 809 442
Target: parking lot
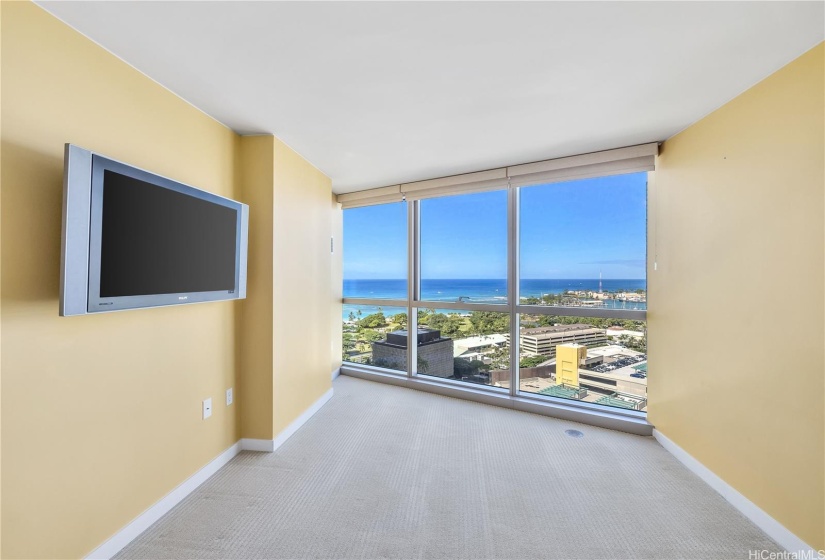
pixel 620 363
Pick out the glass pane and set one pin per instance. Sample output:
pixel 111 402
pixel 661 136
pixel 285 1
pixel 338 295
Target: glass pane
pixel 469 346
pixel 602 361
pixel 464 248
pixel 375 251
pixel 584 243
pixel 375 336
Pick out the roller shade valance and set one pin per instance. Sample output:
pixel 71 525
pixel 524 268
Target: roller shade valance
pixel 631 159
pixel 457 184
pixel 584 172
pixel 597 164
pixel 369 197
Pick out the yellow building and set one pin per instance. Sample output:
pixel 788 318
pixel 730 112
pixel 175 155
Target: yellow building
pixel 568 359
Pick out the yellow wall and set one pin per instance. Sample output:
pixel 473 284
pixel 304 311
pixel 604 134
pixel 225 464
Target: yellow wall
pixel 289 348
pixel 287 340
pixel 255 313
pixel 301 297
pixel 736 322
pixel 101 414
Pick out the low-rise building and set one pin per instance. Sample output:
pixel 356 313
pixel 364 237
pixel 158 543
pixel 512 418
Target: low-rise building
pixel 616 332
pixel 543 340
pixel 475 347
pixel 607 375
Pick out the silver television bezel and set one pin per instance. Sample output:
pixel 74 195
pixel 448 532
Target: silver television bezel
pixel 82 224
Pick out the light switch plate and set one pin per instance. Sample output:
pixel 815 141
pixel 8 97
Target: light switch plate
pixel 207 408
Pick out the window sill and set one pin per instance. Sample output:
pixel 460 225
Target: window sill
pixel 633 422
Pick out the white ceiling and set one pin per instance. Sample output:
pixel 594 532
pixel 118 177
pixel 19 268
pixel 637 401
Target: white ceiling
pixel 376 94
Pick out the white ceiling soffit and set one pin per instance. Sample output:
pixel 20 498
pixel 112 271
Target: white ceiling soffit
pixel 382 93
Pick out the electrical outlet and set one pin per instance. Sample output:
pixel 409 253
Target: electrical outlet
pixel 229 396
pixel 207 408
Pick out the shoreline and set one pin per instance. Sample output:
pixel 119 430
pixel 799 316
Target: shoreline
pixel 444 306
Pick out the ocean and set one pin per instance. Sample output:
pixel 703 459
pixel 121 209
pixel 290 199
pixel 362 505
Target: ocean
pixel 481 291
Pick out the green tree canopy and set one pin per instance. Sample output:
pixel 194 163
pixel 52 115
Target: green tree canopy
pixel 531 361
pixel 369 335
pixel 373 321
pixel 489 322
pixel 449 325
pixel 462 367
pixel 400 319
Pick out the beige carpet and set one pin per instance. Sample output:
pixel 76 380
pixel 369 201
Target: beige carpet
pixel 388 472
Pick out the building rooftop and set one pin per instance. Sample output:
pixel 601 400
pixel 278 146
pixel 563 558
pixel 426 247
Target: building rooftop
pixel 612 350
pixel 613 401
pixel 619 331
pixel 399 338
pixel 562 391
pixel 557 329
pixel 548 387
pixel 473 342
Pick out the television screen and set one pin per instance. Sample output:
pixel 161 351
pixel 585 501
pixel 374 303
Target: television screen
pixel 158 241
pixel 134 239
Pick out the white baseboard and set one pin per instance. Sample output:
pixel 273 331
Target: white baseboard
pixel 301 420
pixel 142 522
pixel 265 445
pixel 270 445
pixel 773 528
pixel 335 373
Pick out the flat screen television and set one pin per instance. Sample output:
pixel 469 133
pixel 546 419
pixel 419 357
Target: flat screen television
pixel 133 239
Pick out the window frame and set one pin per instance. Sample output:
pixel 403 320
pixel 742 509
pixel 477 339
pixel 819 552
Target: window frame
pixel 612 417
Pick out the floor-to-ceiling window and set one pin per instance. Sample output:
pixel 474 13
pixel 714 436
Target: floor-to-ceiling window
pixel 375 286
pixel 463 286
pixel 532 288
pixel 583 290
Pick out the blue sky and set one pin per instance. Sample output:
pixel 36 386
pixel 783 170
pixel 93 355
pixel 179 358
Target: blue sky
pixel 568 230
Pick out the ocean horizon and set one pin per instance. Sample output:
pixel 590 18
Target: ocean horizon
pixel 481 291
